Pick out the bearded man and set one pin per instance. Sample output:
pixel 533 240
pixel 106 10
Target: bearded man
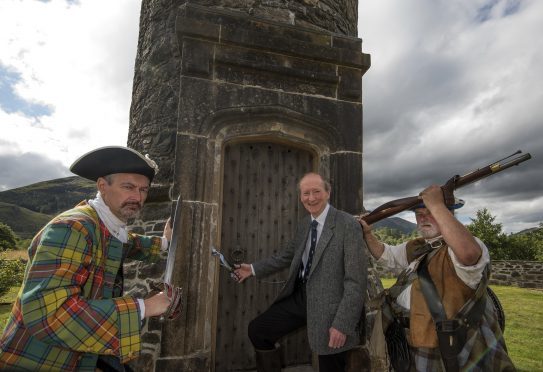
pixel 456 264
pixel 70 314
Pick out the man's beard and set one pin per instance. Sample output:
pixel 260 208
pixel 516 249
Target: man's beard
pixel 130 210
pixel 428 230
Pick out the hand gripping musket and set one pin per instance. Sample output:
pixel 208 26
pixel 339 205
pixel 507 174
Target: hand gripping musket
pixel 399 205
pixel 173 293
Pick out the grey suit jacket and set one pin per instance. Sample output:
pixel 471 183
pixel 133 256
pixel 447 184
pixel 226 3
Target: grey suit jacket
pixel 336 284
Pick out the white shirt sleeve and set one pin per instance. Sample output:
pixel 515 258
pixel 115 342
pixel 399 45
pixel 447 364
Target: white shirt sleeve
pixel 165 244
pixel 142 308
pixel 394 256
pixel 471 275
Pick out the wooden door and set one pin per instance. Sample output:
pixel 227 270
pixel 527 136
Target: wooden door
pixel 260 210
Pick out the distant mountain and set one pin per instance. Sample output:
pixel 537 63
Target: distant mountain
pixel 397 223
pixel 26 209
pixel 527 231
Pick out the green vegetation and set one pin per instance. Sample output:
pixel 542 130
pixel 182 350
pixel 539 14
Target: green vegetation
pixel 11 274
pixel 7 237
pixel 23 222
pixel 523 324
pixel 522 246
pixel 526 245
pixel 6 303
pixel 392 236
pixel 50 197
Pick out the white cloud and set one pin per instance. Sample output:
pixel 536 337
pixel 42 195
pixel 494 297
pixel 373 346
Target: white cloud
pixel 77 59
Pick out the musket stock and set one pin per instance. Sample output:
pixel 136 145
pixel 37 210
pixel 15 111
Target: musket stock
pixel 399 205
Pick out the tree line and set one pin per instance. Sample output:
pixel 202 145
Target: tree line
pixel 526 246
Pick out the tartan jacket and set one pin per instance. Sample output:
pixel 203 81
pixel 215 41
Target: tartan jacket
pixel 66 312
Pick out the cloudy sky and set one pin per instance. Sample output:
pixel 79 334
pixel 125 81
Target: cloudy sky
pixel 454 86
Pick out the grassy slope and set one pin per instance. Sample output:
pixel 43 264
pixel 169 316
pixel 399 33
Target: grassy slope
pixel 24 222
pixel 50 197
pixel 523 324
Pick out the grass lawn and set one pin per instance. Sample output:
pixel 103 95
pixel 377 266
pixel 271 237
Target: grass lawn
pixel 523 324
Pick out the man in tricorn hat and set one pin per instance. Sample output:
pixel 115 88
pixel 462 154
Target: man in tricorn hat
pixel 449 259
pixel 70 313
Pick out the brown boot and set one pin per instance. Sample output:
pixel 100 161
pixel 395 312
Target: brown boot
pixel 268 360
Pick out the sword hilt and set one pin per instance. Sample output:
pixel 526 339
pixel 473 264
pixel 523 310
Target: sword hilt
pixel 175 307
pixel 222 260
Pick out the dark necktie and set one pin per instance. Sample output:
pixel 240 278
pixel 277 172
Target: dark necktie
pixel 307 268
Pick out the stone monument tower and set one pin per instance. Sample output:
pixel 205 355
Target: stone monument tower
pixel 235 100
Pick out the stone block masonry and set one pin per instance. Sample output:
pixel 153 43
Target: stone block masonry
pixel 523 274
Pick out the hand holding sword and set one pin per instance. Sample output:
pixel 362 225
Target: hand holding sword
pixel 174 294
pixel 159 303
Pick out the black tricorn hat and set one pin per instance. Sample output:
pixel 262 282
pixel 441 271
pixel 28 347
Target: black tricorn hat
pixel 108 160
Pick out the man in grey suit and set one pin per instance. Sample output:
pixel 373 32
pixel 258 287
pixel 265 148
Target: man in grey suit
pixel 325 288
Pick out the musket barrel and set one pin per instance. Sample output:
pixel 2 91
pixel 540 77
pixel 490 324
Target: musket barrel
pixel 489 170
pixel 516 161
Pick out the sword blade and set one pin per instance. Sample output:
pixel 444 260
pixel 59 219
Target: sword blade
pixel 173 244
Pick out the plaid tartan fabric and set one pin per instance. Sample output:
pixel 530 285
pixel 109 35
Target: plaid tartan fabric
pixel 64 315
pixel 484 351
pixel 424 359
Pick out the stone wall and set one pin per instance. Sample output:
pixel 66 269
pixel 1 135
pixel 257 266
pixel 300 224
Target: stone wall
pixel 523 274
pixel 141 279
pixel 213 73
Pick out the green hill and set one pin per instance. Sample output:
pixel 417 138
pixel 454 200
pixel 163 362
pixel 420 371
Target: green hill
pixel 26 209
pixel 50 197
pixel 396 223
pixel 24 222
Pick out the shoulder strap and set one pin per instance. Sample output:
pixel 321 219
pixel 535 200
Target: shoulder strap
pixel 452 333
pixel 408 275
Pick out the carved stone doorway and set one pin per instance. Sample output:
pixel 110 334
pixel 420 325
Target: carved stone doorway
pixel 260 209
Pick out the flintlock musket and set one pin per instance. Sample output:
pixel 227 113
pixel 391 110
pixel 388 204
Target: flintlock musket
pixel 399 205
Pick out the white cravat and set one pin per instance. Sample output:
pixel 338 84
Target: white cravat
pixel 116 227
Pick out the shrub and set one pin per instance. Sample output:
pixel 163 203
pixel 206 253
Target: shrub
pixel 8 240
pixel 11 274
